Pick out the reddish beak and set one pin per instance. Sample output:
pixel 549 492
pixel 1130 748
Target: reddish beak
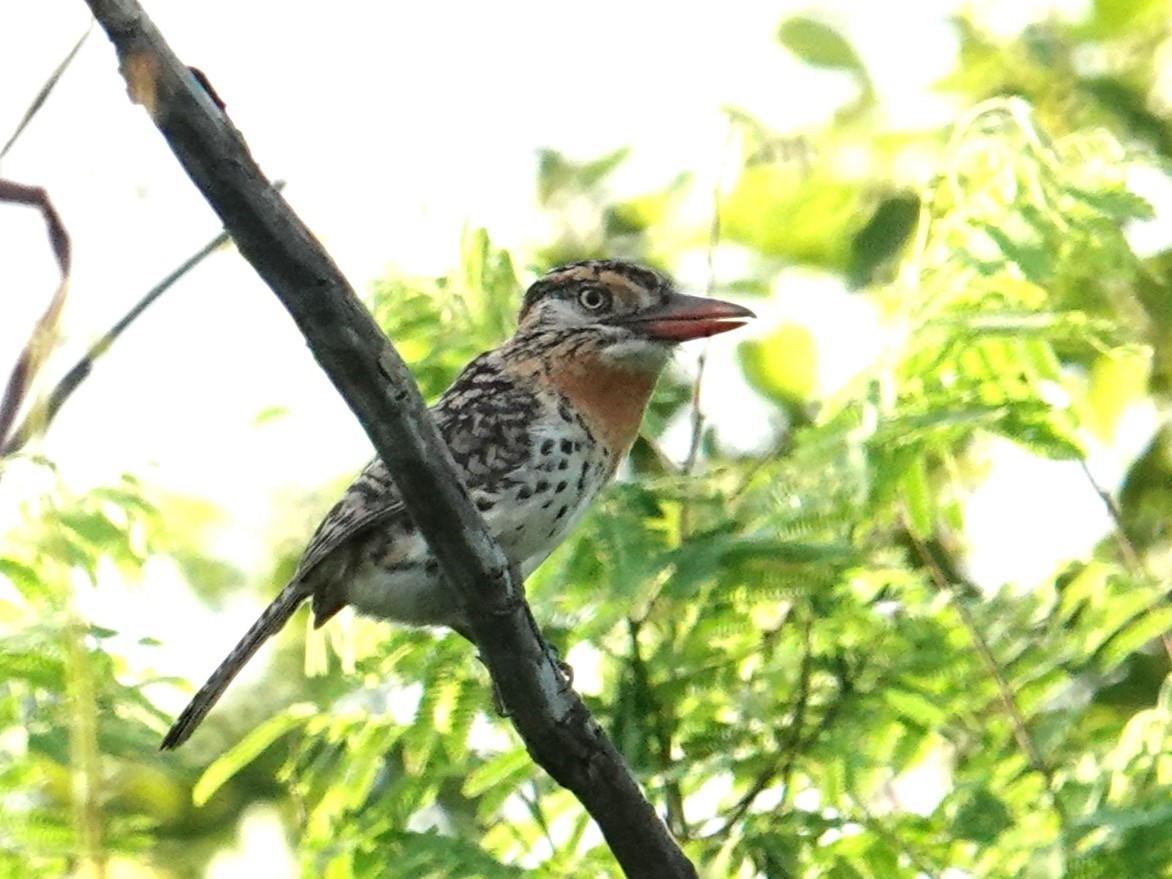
pixel 691 317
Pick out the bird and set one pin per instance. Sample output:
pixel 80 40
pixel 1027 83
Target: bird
pixel 537 428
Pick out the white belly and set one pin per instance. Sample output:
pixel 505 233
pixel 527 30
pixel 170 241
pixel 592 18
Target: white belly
pixel 531 513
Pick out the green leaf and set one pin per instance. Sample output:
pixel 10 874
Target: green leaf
pixel 880 240
pixel 34 667
pixel 557 175
pixel 1116 204
pixel 1125 819
pixel 641 213
pixel 809 218
pixel 1113 16
pixel 1151 625
pixel 1118 380
pixel 922 711
pixel 248 749
pixel 270 414
pixel 94 529
pixel 784 365
pixel 502 769
pixel 918 500
pixel 981 817
pixel 1034 258
pixel 24 577
pixel 818 44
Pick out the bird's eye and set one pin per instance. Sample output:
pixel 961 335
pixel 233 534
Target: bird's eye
pixel 593 298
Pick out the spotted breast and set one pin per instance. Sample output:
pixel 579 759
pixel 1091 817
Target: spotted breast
pixel 536 427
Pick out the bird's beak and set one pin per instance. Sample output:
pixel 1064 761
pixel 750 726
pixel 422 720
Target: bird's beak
pixel 689 317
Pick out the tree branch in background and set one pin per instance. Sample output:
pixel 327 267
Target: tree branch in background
pixel 1131 556
pixel 44 333
pixel 46 89
pixel 1005 692
pixel 358 358
pixel 38 420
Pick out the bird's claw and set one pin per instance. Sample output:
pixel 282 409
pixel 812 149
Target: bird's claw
pixel 564 669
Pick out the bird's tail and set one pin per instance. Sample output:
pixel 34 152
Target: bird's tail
pixel 267 624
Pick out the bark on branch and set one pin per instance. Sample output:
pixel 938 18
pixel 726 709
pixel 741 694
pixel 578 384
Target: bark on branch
pixel 559 732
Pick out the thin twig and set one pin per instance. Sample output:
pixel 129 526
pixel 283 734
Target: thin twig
pixel 677 818
pixel 1126 548
pixel 780 448
pixel 785 759
pixel 45 91
pixel 714 231
pixel 1005 693
pixel 897 845
pixel 533 804
pixel 797 741
pixel 38 421
pixel 697 415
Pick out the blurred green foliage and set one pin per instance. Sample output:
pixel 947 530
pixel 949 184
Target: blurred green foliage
pixel 783 644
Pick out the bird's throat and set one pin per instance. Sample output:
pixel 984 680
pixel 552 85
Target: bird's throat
pixel 610 398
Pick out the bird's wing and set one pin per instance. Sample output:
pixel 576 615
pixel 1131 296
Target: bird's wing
pixel 371 498
pixel 484 417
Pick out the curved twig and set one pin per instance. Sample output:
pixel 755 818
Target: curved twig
pixel 44 333
pixel 39 419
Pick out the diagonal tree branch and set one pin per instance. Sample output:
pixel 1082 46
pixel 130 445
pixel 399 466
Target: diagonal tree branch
pixel 557 728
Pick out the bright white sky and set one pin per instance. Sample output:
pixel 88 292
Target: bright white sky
pixel 395 124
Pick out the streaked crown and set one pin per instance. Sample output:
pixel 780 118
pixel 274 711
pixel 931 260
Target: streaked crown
pixel 592 291
pixel 630 313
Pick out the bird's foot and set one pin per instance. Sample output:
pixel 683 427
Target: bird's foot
pixel 498 701
pixel 564 669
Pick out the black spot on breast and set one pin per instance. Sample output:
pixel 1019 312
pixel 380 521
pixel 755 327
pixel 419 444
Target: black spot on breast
pixel 524 493
pixel 567 447
pixel 547 446
pixel 562 512
pixel 542 486
pixel 561 486
pixel 564 464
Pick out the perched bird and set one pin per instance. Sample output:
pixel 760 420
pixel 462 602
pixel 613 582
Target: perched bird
pixel 537 427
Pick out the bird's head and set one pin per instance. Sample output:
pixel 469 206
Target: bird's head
pixel 630 315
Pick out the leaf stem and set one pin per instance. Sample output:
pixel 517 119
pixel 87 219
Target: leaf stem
pixel 1004 691
pixel 84 755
